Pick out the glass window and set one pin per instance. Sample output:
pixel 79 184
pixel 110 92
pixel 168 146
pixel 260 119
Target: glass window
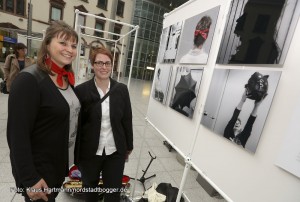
pixel 55 13
pixel 102 4
pixel 1 4
pixel 20 7
pixel 120 8
pixel 117 30
pixel 100 26
pixel 10 6
pixel 148 25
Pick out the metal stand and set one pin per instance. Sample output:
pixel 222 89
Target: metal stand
pixel 143 179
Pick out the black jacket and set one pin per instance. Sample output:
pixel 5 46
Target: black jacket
pixel 37 129
pixel 90 123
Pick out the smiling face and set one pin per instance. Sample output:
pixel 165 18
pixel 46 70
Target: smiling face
pixel 62 51
pixel 102 71
pixel 237 126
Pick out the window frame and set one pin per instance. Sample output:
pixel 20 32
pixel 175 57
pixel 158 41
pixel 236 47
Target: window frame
pixel 58 5
pixel 3 7
pixel 119 28
pixel 102 22
pixel 122 4
pixel 102 6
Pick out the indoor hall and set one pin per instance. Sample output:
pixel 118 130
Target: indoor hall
pixel 166 166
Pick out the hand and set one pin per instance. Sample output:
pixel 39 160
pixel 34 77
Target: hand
pixel 38 191
pixel 127 155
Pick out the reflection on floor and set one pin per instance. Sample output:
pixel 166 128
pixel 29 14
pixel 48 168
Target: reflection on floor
pixel 165 166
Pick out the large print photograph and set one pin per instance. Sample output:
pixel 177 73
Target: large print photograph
pixel 238 103
pixel 161 83
pixel 185 90
pixel 258 32
pixel 196 38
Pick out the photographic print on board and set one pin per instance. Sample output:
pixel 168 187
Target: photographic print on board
pixel 238 103
pixel 185 90
pixel 258 32
pixel 161 83
pixel 169 43
pixel 196 38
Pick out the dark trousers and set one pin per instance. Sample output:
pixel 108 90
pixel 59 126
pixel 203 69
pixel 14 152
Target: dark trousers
pixel 112 167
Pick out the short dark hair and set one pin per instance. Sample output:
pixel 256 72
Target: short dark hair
pixel 19 46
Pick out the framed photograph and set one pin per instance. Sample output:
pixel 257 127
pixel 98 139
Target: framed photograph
pixel 161 83
pixel 185 90
pixel 196 38
pixel 238 103
pixel 169 42
pixel 258 32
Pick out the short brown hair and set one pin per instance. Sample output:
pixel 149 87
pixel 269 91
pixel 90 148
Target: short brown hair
pixel 99 50
pixel 57 28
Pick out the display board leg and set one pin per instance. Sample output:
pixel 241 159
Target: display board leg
pixel 183 180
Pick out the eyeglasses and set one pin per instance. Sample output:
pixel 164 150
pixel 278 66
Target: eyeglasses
pixel 101 64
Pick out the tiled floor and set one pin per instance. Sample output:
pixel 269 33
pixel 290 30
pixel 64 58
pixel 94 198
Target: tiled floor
pixel 165 166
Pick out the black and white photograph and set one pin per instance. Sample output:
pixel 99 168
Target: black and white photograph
pixel 186 89
pixel 169 43
pixel 196 38
pixel 238 104
pixel 161 83
pixel 163 44
pixel 258 32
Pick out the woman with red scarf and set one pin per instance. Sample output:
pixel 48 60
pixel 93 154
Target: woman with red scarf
pixel 197 54
pixel 43 116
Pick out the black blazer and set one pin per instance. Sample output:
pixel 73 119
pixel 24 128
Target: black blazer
pixel 37 129
pixel 91 113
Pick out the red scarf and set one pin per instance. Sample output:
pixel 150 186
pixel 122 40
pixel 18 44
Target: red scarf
pixel 60 73
pixel 203 33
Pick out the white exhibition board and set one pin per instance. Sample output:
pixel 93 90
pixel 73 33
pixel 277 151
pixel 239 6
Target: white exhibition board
pixel 241 175
pixel 178 129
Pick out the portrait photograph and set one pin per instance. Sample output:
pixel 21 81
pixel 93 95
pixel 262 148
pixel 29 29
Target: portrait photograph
pixel 258 32
pixel 185 90
pixel 161 83
pixel 196 38
pixel 238 103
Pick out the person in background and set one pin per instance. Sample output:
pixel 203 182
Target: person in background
pixel 43 115
pixel 105 133
pixel 14 63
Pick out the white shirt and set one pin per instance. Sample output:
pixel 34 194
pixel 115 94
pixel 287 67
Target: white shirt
pixel 106 139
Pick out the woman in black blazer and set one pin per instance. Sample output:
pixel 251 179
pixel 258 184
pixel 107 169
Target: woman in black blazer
pixel 42 117
pixel 105 132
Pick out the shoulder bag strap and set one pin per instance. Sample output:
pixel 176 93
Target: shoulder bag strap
pixel 108 93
